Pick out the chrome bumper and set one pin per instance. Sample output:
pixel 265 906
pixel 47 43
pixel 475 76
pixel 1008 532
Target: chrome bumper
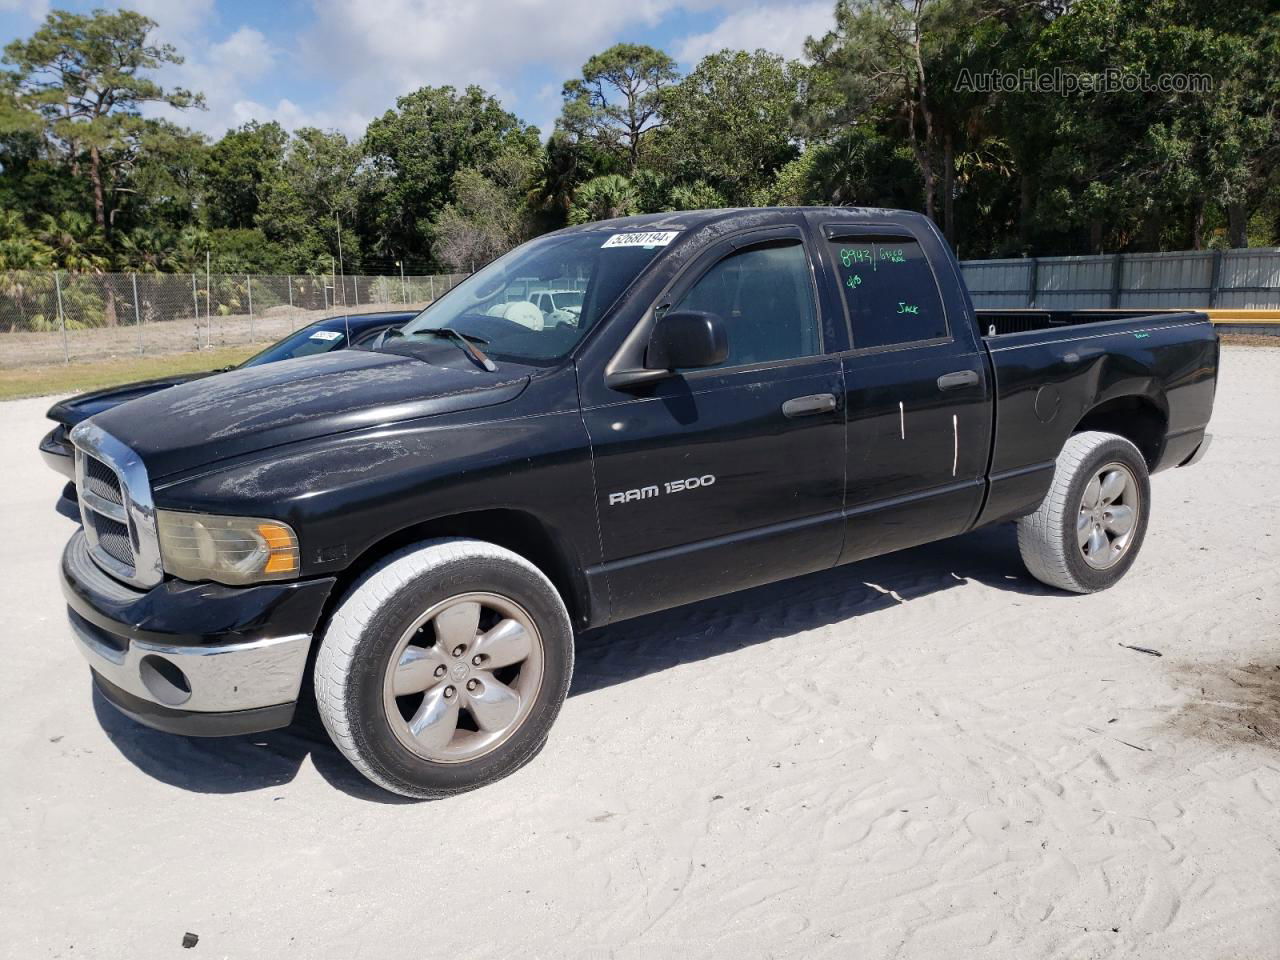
pixel 214 679
pixel 200 659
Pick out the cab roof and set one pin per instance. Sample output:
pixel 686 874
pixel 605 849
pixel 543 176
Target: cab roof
pixel 732 217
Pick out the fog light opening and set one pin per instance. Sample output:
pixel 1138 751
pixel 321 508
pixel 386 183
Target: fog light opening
pixel 166 682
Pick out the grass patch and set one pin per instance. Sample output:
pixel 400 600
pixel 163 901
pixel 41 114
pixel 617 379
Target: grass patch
pixel 67 378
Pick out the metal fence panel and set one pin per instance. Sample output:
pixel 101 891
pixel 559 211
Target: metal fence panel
pixel 1250 278
pixel 997 283
pixel 1193 278
pixel 1074 282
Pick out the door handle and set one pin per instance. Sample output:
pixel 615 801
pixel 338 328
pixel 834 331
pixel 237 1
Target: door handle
pixel 961 378
pixel 808 406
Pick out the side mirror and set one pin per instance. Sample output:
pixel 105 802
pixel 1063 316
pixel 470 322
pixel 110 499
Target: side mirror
pixel 687 338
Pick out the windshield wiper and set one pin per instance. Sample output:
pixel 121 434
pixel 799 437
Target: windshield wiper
pixel 467 342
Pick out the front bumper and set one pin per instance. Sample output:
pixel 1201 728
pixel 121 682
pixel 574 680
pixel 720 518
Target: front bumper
pixel 199 659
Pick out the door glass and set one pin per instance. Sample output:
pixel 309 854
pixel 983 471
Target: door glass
pixel 889 290
pixel 764 296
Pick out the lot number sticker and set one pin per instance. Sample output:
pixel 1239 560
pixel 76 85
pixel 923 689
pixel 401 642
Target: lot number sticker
pixel 656 238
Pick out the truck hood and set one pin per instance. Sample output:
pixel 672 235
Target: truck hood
pixel 82 406
pixel 253 408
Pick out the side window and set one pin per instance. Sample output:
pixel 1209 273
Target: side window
pixel 765 298
pixel 889 289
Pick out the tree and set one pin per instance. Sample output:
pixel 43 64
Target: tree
pixel 875 57
pixel 20 254
pixel 313 191
pixel 565 164
pixel 416 150
pixel 488 215
pixel 1139 168
pixel 84 74
pixel 149 250
pixel 619 98
pixel 860 166
pixel 76 245
pixel 729 122
pixel 163 187
pixel 698 195
pixel 19 249
pixel 236 171
pixel 603 199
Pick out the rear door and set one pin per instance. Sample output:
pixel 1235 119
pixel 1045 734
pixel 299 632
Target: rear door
pixel 717 479
pixel 916 389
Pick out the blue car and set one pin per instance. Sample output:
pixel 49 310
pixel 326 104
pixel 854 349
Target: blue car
pixel 323 336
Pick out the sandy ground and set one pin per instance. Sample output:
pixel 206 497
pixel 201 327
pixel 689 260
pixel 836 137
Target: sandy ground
pixel 927 755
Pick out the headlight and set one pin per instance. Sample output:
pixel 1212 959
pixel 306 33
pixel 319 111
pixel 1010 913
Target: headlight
pixel 231 550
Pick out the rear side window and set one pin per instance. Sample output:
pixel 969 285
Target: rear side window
pixel 765 298
pixel 889 289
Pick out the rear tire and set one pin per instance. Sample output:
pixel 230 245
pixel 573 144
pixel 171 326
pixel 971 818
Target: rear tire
pixel 1087 532
pixel 444 667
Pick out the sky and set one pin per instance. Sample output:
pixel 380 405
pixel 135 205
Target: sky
pixel 336 64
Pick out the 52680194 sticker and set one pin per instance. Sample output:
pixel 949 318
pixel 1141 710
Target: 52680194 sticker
pixel 654 238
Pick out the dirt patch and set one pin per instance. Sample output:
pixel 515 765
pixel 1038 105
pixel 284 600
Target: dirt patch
pixel 1249 339
pixel 1231 703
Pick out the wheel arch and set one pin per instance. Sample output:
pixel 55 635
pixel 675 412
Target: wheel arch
pixel 519 531
pixel 1138 418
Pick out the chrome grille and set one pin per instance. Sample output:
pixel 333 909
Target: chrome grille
pixel 113 537
pixel 102 480
pixel 116 507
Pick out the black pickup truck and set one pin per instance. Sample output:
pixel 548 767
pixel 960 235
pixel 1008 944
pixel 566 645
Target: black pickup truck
pixel 419 528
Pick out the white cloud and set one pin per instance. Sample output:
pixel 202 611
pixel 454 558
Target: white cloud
pixel 35 9
pixel 224 72
pixel 779 29
pixel 350 62
pixel 177 21
pixel 378 51
pixel 291 116
pixel 246 51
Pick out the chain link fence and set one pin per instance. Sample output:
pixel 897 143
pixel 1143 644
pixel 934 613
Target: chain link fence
pixel 54 317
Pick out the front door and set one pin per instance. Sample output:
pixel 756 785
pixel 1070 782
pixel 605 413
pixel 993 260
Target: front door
pixel 717 479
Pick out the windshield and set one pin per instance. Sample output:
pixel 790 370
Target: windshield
pixel 304 343
pixel 538 301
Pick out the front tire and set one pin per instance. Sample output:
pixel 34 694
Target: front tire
pixel 444 667
pixel 1087 532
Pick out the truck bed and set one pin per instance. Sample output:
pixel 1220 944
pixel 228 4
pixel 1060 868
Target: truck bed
pixel 1000 322
pixel 1145 374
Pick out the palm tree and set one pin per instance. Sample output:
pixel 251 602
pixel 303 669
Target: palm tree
pixel 75 241
pixel 21 253
pixel 559 174
pixel 78 244
pixel 603 199
pixel 149 250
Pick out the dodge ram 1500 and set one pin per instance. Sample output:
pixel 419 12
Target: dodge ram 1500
pixel 418 528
